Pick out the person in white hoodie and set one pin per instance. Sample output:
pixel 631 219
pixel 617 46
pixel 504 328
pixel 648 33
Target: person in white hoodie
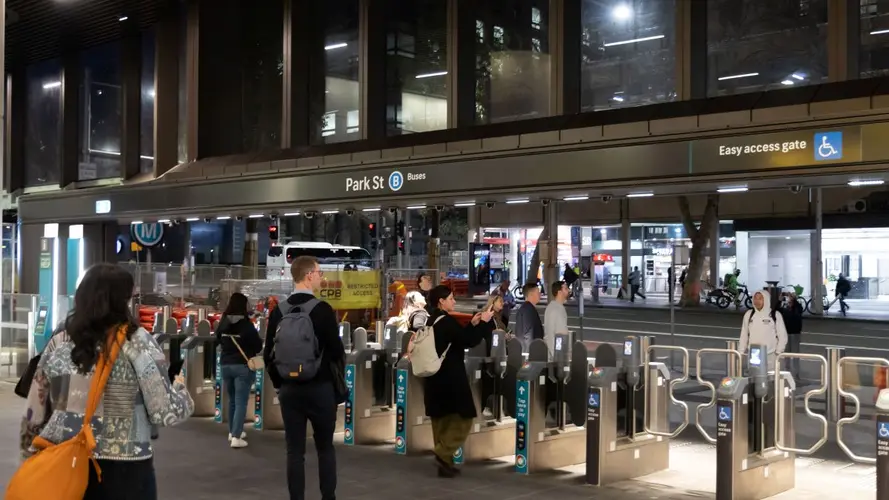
pixel 765 326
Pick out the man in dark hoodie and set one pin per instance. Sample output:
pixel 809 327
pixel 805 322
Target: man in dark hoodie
pixel 313 400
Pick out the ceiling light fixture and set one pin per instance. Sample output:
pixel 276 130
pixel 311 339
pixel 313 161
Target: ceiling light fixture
pixel 582 197
pixel 734 189
pixel 430 75
pixel 416 207
pixel 336 46
pixel 618 98
pixel 635 40
pixel 867 182
pixel 798 76
pixel 192 219
pixel 291 214
pixel 164 221
pixel 123 18
pixel 517 202
pixel 136 222
pixel 330 212
pixel 464 204
pixel 879 32
pixel 787 82
pixel 257 216
pixel 371 210
pixel 52 85
pixel 732 77
pixel 640 195
pixel 224 217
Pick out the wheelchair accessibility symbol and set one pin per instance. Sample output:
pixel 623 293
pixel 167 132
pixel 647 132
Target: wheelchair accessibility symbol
pixel 828 146
pixel 884 430
pixel 725 413
pixel 594 400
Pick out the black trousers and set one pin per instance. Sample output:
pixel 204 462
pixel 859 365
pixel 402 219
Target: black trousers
pixel 316 403
pixel 123 481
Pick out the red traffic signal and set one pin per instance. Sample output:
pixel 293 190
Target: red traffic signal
pixel 273 233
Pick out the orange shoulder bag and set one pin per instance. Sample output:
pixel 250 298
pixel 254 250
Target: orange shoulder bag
pixel 61 471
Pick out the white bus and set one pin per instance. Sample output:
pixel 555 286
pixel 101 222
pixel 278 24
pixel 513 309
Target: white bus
pixel 330 257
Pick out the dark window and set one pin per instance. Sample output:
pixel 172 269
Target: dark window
pixel 416 66
pixel 756 45
pixel 512 60
pixel 43 123
pixel 874 31
pixel 627 53
pixel 262 63
pixel 101 110
pixel 339 119
pixel 183 84
pixel 146 152
pixel 331 255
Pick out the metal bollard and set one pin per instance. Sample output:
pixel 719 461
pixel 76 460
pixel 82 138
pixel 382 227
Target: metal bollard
pixel 836 404
pixel 731 368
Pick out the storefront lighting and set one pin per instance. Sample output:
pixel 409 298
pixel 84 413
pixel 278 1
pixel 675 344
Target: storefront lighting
pixel 330 212
pixel 640 195
pixel 336 46
pixel 257 216
pixel 635 40
pixel 582 197
pixel 377 209
pixel 52 85
pixel 291 214
pixel 431 75
pixel 879 32
pixel 192 219
pixel 787 82
pixel 735 189
pixel 517 202
pixel 223 217
pixel 733 77
pixel 870 182
pixel 464 204
pixel 416 207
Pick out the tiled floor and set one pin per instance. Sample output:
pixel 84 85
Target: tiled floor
pixel 193 461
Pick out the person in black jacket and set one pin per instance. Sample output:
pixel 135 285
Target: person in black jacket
pixel 313 400
pixel 238 341
pixel 793 323
pixel 448 396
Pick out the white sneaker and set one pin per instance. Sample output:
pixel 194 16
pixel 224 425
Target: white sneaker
pixel 238 443
pixel 243 436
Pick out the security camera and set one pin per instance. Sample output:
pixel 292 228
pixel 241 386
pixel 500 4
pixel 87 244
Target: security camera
pixel 489 204
pixel 310 214
pixel 544 202
pixel 393 210
pixel 795 188
pixel 439 207
pixel 208 219
pixel 350 212
pixel 606 198
pixel 274 217
pixel 239 217
pixel 176 222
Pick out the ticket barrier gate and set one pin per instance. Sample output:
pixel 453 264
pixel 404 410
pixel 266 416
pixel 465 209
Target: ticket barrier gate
pixel 199 371
pixel 540 445
pixel 364 421
pixel 881 460
pixel 489 376
pixel 755 454
pixel 413 429
pixel 170 338
pixel 628 424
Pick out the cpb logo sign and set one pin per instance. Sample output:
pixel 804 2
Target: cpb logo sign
pixel 148 235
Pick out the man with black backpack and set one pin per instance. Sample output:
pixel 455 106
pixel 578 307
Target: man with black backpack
pixel 304 357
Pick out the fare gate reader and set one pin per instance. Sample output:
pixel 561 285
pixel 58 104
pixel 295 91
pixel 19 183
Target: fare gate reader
pixel 489 373
pixel 542 443
pixel 199 368
pixel 749 466
pixel 628 425
pixel 170 340
pixel 365 422
pixel 413 429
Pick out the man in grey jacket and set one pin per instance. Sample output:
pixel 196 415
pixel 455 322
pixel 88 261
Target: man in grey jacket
pixel 527 322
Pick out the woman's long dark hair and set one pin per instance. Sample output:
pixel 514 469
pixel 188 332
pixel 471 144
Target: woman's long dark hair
pixel 101 303
pixel 237 305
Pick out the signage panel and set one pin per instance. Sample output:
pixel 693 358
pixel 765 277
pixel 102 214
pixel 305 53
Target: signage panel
pixel 523 393
pixel 349 410
pixel 777 150
pixel 725 466
pixel 593 436
pixel 148 235
pixel 259 402
pixel 400 408
pixel 217 388
pixel 882 455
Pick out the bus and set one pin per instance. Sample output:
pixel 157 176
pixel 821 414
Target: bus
pixel 330 257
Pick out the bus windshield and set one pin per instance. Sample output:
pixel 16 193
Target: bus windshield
pixel 353 256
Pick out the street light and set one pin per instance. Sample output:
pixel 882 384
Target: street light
pixel 622 12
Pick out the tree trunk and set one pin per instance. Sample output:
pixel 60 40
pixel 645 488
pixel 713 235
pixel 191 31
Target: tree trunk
pixel 534 265
pixel 700 236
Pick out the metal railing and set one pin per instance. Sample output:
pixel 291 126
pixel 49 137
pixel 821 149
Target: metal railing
pixel 682 404
pixel 731 354
pixel 780 406
pixel 841 423
pixel 18 316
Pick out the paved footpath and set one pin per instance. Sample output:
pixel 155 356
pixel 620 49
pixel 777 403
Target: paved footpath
pixel 194 461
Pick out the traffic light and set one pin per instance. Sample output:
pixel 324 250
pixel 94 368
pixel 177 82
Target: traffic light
pixel 372 230
pixel 273 233
pixel 401 246
pixel 399 229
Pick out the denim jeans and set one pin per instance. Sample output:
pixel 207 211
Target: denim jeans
pixel 316 403
pixel 237 380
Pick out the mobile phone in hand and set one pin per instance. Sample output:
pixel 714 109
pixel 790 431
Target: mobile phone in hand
pixel 175 368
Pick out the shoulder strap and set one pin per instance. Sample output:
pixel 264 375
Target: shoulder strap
pixel 232 337
pixel 306 307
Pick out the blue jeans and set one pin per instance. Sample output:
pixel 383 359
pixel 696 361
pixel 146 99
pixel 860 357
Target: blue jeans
pixel 237 380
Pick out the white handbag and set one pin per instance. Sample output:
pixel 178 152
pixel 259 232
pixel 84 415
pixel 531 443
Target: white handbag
pixel 255 363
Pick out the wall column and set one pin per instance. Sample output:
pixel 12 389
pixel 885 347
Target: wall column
pixel 714 251
pixel 551 260
pixel 131 121
pixel 166 94
pixel 815 207
pixel 625 243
